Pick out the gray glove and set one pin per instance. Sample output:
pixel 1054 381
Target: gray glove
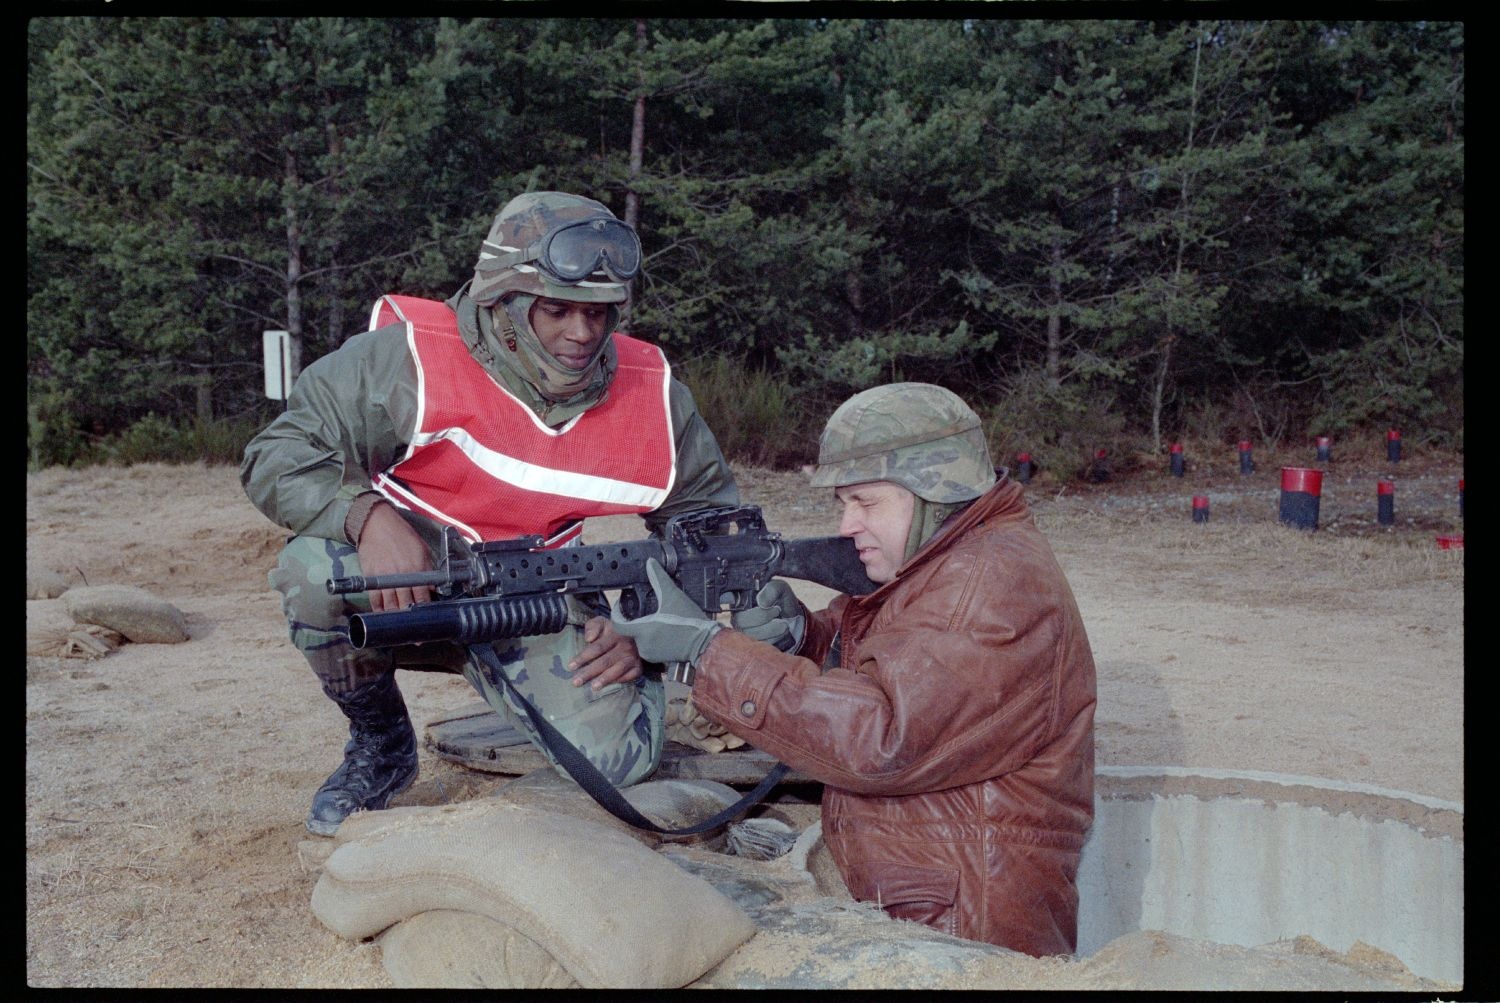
pixel 677 632
pixel 778 617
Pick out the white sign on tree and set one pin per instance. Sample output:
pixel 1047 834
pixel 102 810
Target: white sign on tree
pixel 278 351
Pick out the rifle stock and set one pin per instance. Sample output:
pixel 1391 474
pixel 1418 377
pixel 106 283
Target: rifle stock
pixel 832 561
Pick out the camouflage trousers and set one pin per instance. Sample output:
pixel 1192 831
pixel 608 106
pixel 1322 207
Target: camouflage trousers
pixel 619 727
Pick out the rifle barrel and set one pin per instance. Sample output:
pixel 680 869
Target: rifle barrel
pixel 377 583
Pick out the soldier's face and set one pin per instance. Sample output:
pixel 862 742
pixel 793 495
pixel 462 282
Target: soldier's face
pixel 569 331
pixel 877 517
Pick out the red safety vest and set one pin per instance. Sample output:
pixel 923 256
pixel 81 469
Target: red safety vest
pixel 482 462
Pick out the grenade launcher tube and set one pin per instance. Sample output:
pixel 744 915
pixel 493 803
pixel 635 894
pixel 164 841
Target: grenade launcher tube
pixel 462 621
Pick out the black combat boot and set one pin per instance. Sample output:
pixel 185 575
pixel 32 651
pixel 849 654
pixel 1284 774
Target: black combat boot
pixel 380 760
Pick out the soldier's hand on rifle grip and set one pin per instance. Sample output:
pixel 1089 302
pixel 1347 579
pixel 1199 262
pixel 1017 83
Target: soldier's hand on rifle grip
pixel 389 546
pixel 777 618
pixel 677 631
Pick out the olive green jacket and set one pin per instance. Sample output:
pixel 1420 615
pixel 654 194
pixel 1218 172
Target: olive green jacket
pixel 351 415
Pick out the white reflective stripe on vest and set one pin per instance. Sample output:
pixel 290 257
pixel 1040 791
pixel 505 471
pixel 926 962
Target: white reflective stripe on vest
pixel 402 498
pixel 539 484
pixel 530 477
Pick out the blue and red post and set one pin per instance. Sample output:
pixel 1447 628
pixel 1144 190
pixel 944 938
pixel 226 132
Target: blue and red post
pixel 1301 493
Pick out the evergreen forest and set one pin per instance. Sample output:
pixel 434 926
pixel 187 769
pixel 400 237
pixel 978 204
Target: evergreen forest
pixel 1121 232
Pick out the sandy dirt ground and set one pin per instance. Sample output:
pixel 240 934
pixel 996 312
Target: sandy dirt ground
pixel 166 784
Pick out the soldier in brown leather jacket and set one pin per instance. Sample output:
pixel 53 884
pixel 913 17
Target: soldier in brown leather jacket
pixel 950 713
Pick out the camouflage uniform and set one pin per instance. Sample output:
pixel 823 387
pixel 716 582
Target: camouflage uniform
pixel 352 413
pixel 619 727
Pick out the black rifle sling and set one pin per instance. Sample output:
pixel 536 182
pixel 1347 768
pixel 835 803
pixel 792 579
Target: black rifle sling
pixel 598 786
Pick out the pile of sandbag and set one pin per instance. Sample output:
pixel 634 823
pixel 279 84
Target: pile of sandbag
pixel 90 621
pixel 535 891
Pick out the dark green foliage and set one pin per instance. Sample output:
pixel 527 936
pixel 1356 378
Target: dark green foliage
pixel 1060 424
pixel 152 439
pixel 1105 234
pixel 759 419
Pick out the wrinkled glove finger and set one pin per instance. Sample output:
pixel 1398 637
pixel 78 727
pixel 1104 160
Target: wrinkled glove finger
pixel 785 634
pixel 749 619
pixel 778 595
pixel 775 600
pixel 670 599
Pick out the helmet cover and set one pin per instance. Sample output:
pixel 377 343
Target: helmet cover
pixel 920 436
pixel 524 221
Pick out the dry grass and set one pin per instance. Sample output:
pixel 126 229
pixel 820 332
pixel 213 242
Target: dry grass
pixel 1276 550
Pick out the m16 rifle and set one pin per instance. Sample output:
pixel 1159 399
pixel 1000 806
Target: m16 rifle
pixel 512 588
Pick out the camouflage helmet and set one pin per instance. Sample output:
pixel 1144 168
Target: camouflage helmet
pixel 504 264
pixel 917 435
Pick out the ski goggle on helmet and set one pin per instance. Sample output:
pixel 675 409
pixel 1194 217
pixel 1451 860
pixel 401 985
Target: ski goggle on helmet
pixel 571 252
pixel 556 245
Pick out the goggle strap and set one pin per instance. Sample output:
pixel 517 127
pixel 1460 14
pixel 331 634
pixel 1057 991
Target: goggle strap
pixel 500 256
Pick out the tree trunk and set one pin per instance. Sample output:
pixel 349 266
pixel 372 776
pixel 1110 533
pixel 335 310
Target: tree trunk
pixel 293 267
pixel 204 385
pixel 335 334
pixel 1054 317
pixel 854 294
pixel 637 128
pixel 1159 389
pixel 637 147
pixel 1164 362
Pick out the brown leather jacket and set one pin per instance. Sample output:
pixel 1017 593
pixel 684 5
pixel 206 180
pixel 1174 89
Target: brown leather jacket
pixel 955 743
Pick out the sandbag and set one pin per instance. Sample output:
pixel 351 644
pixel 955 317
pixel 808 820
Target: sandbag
pixel 132 611
pixel 680 802
pixel 444 949
pixel 51 632
pixel 672 804
pixel 610 911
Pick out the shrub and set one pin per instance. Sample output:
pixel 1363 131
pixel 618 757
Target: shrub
pixel 53 435
pixel 154 439
pixel 1061 426
pixel 149 439
pixel 757 418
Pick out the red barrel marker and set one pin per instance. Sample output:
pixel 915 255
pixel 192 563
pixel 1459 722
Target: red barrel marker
pixel 1301 493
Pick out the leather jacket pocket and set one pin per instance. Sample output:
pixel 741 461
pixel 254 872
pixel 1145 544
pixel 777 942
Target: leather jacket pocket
pixel 907 891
